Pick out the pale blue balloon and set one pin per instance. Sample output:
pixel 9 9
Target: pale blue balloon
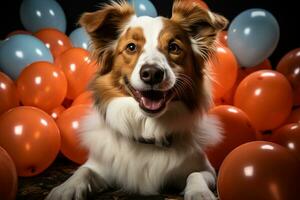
pixel 80 38
pixel 143 8
pixel 18 51
pixel 253 36
pixel 39 14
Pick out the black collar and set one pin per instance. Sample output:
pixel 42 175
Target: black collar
pixel 167 142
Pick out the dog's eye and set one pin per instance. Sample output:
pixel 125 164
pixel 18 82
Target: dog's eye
pixel 131 47
pixel 174 48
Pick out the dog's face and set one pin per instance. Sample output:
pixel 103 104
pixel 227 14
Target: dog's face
pixel 154 60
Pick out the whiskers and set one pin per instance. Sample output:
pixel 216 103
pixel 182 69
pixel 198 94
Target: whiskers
pixel 184 86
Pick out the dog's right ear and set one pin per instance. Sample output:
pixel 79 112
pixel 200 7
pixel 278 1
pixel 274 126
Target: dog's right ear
pixel 104 27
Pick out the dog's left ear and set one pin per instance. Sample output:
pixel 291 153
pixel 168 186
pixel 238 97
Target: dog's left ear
pixel 202 25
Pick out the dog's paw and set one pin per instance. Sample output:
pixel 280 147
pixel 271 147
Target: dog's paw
pixel 69 191
pixel 199 195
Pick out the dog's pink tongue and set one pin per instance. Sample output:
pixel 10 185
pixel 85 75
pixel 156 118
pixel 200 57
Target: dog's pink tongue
pixel 150 104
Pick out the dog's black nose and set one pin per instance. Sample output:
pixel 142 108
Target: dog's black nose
pixel 151 74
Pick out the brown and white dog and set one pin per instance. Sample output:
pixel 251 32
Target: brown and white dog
pixel 149 126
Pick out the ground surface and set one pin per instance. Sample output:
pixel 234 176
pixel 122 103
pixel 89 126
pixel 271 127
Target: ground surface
pixel 37 188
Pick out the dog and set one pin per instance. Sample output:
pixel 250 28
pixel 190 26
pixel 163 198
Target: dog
pixel 149 126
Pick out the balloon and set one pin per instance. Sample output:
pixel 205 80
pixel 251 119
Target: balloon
pixel 222 38
pixel 245 71
pixel 80 38
pixel 31 138
pixel 294 117
pixel 8 177
pixel 37 14
pixel 266 97
pixel 78 68
pixel 84 99
pixel 8 93
pixel 289 137
pixel 261 171
pixel 18 32
pixel 237 130
pixel 42 85
pixel 224 63
pixel 56 112
pixel 143 8
pixel 55 40
pixel 18 51
pixel 69 123
pixel 289 66
pixel 253 36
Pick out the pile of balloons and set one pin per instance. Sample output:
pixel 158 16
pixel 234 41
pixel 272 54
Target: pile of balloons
pixel 43 80
pixel 259 157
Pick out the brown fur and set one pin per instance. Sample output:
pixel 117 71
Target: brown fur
pixel 187 22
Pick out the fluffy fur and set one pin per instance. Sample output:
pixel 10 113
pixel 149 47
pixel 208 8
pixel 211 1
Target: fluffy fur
pixel 180 47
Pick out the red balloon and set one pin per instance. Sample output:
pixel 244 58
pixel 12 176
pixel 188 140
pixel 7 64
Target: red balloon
pixel 8 93
pixel 222 38
pixel 289 66
pixel 31 138
pixel 55 113
pixel 69 123
pixel 289 137
pixel 78 68
pixel 8 177
pixel 266 97
pixel 245 71
pixel 237 130
pixel 84 99
pixel 259 171
pixel 224 63
pixel 42 85
pixel 17 32
pixel 294 116
pixel 55 40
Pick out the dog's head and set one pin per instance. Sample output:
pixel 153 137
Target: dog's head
pixel 154 60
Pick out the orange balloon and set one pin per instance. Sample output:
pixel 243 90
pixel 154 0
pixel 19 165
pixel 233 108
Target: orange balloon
pixel 8 177
pixel 201 3
pixel 78 68
pixel 222 38
pixel 42 85
pixel 266 97
pixel 69 123
pixel 294 116
pixel 237 130
pixel 55 40
pixel 31 138
pixel 259 171
pixel 84 99
pixel 8 93
pixel 289 66
pixel 245 71
pixel 17 32
pixel 289 137
pixel 228 98
pixel 55 113
pixel 224 71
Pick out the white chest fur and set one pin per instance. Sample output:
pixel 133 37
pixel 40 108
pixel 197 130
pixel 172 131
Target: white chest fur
pixel 146 168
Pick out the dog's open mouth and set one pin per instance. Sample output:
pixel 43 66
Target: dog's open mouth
pixel 151 101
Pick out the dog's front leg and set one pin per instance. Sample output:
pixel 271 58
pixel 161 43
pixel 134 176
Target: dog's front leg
pixel 198 186
pixel 77 187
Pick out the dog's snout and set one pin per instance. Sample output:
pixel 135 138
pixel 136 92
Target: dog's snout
pixel 151 74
